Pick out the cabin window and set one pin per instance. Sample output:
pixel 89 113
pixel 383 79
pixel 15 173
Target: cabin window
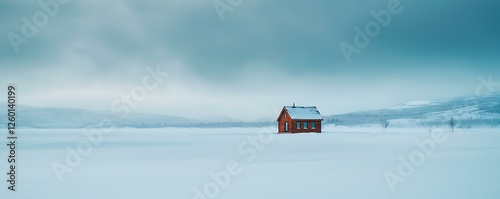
pixel 285 115
pixel 313 125
pixel 298 125
pixel 305 125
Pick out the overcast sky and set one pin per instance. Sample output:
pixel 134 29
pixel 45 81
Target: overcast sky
pixel 265 54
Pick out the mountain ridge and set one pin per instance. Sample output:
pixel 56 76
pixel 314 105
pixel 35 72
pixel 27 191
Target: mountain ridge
pixel 467 110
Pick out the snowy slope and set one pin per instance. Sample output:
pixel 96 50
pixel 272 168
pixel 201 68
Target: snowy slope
pixel 468 111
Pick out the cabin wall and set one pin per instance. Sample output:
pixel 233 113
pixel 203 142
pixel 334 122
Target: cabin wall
pixel 292 124
pixel 309 129
pixel 281 123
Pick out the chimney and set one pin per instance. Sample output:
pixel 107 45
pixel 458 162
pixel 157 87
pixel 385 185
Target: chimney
pixel 293 105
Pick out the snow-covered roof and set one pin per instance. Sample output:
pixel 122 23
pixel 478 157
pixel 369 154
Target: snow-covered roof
pixel 303 112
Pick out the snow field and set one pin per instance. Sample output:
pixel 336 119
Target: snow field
pixel 339 163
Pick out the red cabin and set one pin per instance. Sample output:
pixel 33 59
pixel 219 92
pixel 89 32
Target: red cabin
pixel 299 119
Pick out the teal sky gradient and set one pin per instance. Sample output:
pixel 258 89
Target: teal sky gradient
pixel 265 54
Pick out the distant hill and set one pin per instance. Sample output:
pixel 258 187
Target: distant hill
pixel 468 111
pixel 72 118
pixel 54 117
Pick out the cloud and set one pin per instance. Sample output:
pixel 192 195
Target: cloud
pixel 265 53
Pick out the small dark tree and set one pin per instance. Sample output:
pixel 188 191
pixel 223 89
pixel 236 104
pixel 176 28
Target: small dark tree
pixel 452 124
pixel 385 123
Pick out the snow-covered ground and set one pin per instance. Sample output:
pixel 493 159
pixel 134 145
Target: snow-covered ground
pixel 176 163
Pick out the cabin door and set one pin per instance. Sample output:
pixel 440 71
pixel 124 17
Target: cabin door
pixel 286 126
